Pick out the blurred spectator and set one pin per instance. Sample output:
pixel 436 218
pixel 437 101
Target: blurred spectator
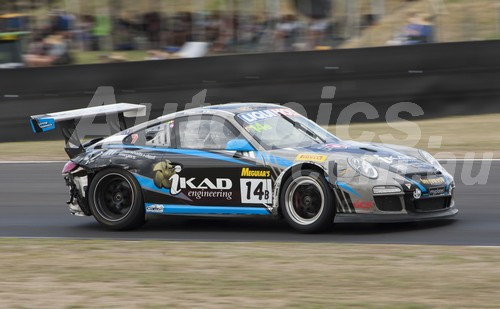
pixel 212 27
pixel 101 29
pixel 53 50
pixel 317 32
pixel 83 31
pixel 287 30
pixel 418 30
pixel 125 31
pixel 62 21
pixel 152 27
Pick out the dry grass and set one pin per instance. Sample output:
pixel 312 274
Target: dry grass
pixel 156 274
pixel 458 136
pixel 39 150
pixel 456 20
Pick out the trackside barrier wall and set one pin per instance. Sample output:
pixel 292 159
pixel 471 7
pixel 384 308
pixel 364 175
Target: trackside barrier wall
pixel 444 79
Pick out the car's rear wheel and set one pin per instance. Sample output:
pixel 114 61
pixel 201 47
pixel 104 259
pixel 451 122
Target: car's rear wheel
pixel 116 200
pixel 307 202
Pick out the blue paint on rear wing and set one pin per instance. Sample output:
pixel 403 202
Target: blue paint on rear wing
pixel 42 124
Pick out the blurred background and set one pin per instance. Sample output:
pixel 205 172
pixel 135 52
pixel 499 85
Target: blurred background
pixel 61 32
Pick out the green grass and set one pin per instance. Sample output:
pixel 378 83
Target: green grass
pixel 150 274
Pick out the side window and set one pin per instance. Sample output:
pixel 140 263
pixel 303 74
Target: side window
pixel 204 132
pixel 156 135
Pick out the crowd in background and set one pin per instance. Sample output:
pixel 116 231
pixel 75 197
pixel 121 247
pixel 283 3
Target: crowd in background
pixel 166 35
pixel 223 32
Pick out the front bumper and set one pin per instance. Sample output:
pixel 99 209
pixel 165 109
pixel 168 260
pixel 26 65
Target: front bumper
pixel 399 217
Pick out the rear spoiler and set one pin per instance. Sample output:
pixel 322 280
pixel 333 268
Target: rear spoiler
pixel 67 121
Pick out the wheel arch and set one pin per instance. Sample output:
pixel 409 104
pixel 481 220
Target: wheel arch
pixel 138 212
pixel 286 174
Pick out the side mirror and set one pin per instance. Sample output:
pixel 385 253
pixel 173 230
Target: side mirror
pixel 239 144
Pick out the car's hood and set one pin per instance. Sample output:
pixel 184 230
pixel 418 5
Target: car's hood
pixel 398 159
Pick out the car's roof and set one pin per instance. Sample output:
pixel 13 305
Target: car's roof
pixel 236 108
pixel 228 108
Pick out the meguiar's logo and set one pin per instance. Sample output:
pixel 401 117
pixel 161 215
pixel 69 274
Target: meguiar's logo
pixel 246 172
pixel 433 181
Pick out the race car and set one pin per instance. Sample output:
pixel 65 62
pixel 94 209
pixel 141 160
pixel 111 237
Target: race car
pixel 243 159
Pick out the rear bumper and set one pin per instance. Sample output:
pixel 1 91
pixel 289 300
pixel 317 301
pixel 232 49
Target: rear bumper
pixel 401 217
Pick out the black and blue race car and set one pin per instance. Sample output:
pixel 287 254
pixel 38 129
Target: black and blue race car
pixel 243 159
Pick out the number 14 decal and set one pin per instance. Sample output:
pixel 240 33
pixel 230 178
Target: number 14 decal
pixel 256 191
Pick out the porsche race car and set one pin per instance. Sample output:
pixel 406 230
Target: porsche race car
pixel 243 159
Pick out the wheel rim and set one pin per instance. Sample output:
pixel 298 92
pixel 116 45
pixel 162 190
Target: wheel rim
pixel 304 200
pixel 113 197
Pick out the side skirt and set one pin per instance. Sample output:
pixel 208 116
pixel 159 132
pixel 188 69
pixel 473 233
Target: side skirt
pixel 167 209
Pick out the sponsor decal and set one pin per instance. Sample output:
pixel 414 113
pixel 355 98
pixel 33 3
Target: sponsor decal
pixel 408 185
pixel 254 116
pixel 359 204
pixel 155 208
pixel 45 123
pixel 392 159
pixel 135 137
pixel 436 191
pixel 417 193
pixel 166 176
pixel 311 157
pixel 163 172
pixel 256 191
pixel 247 172
pixel 135 154
pixel 433 181
pixel 258 127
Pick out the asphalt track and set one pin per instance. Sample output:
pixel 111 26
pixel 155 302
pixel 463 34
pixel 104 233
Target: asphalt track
pixel 32 204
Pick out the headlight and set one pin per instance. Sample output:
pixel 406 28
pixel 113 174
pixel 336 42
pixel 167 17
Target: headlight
pixel 429 158
pixel 363 167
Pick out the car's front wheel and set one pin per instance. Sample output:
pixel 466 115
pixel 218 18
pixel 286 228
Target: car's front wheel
pixel 307 202
pixel 115 199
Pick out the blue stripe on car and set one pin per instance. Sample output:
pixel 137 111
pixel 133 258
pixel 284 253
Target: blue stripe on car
pixel 272 159
pixel 344 186
pixel 422 188
pixel 149 184
pixel 189 152
pixel 214 210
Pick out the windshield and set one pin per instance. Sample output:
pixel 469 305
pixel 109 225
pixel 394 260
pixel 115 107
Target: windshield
pixel 283 128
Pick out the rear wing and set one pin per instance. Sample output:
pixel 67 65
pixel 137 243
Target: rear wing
pixel 67 120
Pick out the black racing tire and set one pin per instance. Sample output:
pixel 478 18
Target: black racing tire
pixel 307 202
pixel 115 199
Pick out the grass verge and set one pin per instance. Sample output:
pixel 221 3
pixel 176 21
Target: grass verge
pixel 157 274
pixel 441 136
pixel 458 135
